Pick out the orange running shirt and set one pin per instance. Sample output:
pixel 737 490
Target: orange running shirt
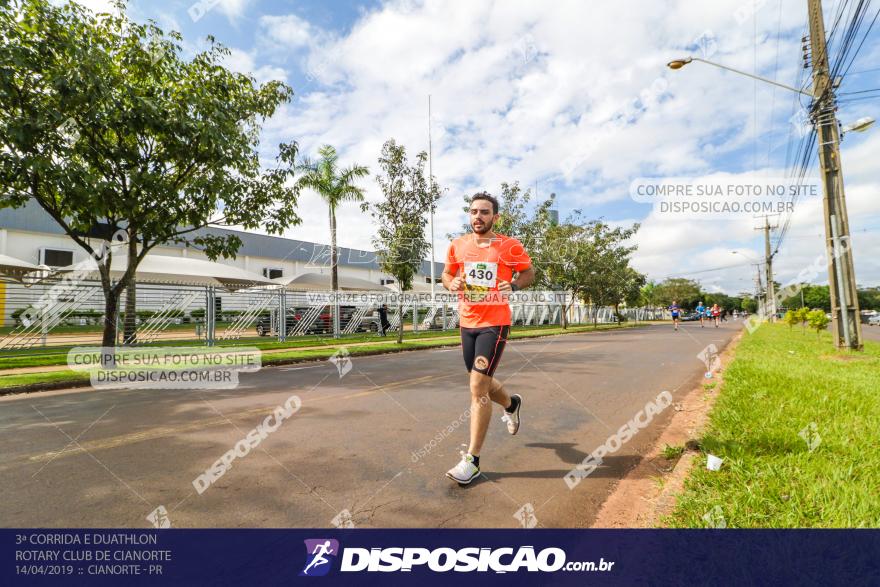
pixel 482 267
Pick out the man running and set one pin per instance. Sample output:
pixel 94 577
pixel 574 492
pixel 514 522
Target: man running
pixel 701 311
pixel 716 312
pixel 676 311
pixel 482 265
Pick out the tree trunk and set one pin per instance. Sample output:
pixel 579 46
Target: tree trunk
pixel 129 332
pixel 108 340
pixel 334 275
pixel 334 272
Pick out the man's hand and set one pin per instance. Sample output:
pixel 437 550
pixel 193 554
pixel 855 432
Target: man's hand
pixel 456 283
pixel 504 285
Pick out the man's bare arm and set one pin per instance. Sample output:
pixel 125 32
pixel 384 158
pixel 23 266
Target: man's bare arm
pixel 525 278
pixel 450 281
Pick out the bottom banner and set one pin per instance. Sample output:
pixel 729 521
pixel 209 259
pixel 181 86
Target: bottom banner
pixel 596 557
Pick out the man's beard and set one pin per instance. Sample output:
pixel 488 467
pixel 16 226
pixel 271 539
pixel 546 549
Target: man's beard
pixel 487 227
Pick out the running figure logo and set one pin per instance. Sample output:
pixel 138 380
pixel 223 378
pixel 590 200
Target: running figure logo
pixel 320 553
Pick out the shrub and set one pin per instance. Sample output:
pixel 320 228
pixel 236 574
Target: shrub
pixel 802 314
pixel 818 320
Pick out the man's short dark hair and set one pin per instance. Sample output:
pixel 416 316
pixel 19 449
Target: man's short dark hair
pixel 488 198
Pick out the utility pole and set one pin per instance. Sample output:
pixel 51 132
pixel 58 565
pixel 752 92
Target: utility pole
pixel 770 300
pixel 759 287
pixel 838 247
pixel 431 187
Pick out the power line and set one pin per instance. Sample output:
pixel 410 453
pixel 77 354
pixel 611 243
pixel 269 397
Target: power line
pixel 698 271
pixel 859 92
pixel 864 71
pixel 859 48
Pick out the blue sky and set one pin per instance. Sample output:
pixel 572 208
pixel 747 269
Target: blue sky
pixel 576 98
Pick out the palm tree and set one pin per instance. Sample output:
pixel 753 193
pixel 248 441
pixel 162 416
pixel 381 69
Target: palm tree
pixel 335 186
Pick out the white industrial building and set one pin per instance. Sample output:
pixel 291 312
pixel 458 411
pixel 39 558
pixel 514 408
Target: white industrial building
pixel 29 234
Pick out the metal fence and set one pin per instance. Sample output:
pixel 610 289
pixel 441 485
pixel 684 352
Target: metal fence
pixel 56 314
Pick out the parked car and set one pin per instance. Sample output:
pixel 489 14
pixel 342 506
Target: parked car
pixel 323 324
pixel 874 320
pixel 690 317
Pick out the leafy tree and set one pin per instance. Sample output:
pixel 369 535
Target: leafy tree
pixel 400 217
pixel 632 288
pixel 869 298
pixel 335 186
pixel 648 296
pixel 803 315
pixel 818 320
pixel 107 128
pixel 817 296
pixel 791 318
pixel 749 304
pixel 597 268
pixel 570 270
pixel 685 291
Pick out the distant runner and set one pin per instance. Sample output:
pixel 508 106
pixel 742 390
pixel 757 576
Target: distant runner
pixel 481 265
pixel 716 313
pixel 383 319
pixel 676 311
pixel 701 311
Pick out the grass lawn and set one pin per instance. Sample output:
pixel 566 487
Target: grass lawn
pixel 797 424
pixel 412 341
pixel 57 355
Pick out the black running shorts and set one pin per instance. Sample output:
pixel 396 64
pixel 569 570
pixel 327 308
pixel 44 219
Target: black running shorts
pixel 482 347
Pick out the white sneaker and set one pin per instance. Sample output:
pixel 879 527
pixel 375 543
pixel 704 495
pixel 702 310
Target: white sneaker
pixel 512 420
pixel 465 471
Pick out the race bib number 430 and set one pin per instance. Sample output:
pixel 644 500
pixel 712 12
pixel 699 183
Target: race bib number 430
pixel 481 274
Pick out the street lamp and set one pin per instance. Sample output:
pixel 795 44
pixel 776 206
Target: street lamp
pixel 860 125
pixel 749 257
pixel 679 63
pixel 841 270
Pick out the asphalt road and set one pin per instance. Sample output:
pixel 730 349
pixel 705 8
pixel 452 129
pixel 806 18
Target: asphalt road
pixel 871 332
pixel 109 458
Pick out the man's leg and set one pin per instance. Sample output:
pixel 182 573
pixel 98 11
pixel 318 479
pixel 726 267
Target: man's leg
pixel 481 410
pixel 498 395
pixel 484 389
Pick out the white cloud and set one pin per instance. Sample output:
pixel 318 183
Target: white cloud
pixel 244 62
pixel 578 95
pixel 290 30
pixel 233 9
